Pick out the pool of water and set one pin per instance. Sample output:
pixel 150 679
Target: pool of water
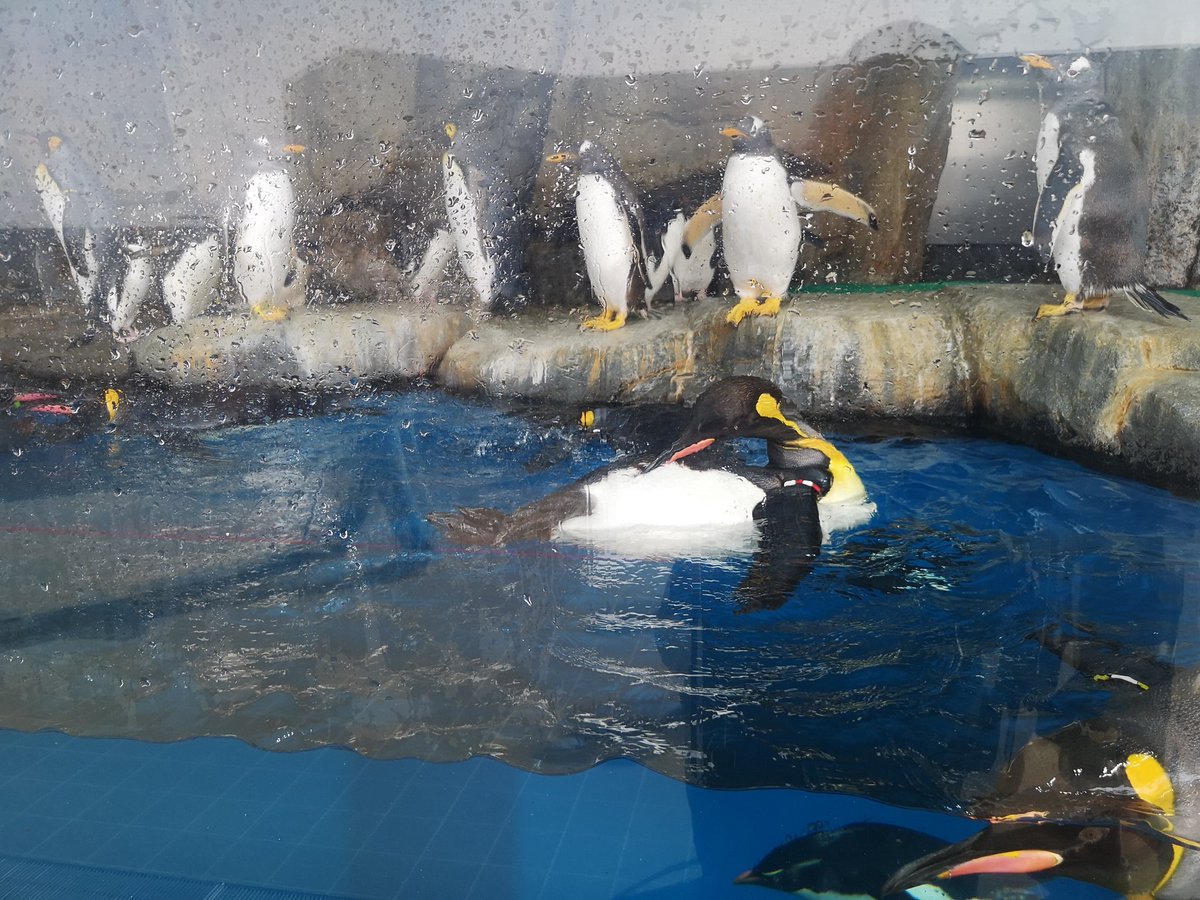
pixel 278 583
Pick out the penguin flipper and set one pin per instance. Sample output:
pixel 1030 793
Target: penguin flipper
pixel 471 526
pixel 1152 301
pixel 703 220
pixel 789 544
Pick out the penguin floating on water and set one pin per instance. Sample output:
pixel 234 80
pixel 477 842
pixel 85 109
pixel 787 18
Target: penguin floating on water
pixel 1113 801
pixel 759 209
pixel 612 232
pixel 481 204
pixel 1093 202
pixel 267 268
pixel 646 502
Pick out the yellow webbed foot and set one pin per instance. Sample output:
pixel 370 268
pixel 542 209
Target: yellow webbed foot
pixel 749 306
pixel 270 312
pixel 609 320
pixel 1069 305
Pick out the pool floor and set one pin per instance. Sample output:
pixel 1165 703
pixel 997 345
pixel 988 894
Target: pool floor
pixel 216 818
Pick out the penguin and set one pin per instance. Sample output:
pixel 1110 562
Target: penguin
pixel 481 205
pixel 80 211
pixel 850 863
pixel 691 272
pixel 268 271
pixel 612 231
pixel 1112 801
pixel 126 298
pixel 192 280
pixel 438 252
pixel 650 504
pixel 759 207
pixel 1092 202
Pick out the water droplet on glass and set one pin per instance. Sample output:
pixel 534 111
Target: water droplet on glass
pixel 130 127
pixel 631 79
pixel 1027 239
pixel 135 30
pixel 477 116
pixel 697 70
pixel 468 93
pixel 746 99
pixel 7 162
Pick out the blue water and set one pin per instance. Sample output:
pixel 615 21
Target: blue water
pixel 278 583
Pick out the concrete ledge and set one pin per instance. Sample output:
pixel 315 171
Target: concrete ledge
pixel 321 347
pixel 1122 385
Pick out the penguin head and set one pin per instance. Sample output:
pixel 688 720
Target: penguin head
pixel 749 134
pixel 738 407
pixel 1122 858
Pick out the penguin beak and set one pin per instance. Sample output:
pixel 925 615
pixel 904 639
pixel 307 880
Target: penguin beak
pixel 560 158
pixel 685 446
pixel 294 149
pixel 732 132
pixel 966 859
pixel 1036 61
pixel 747 877
pixel 821 197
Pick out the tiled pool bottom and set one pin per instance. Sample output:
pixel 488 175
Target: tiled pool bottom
pixel 216 818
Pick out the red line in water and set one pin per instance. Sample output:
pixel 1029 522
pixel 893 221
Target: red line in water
pixel 200 537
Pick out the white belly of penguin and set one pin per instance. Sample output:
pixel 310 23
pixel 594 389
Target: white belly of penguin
pixel 264 252
pixel 192 282
pixel 607 241
pixel 464 226
pixel 761 226
pixel 1068 242
pixel 669 497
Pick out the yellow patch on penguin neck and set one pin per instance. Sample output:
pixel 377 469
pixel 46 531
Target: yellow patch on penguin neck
pixel 451 130
pixel 112 403
pixel 53 142
pixel 847 486
pixel 1151 783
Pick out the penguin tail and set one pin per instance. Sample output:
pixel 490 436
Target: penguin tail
pixel 471 526
pixel 1152 301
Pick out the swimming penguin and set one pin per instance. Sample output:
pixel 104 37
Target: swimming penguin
pixel 851 863
pixel 1113 801
pixel 691 272
pixel 654 504
pixel 192 281
pixel 759 208
pixel 481 204
pixel 1092 202
pixel 267 269
pixel 612 231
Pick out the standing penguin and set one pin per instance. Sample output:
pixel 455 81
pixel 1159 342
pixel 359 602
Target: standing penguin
pixel 481 204
pixel 1092 202
pixel 612 231
pixel 268 271
pixel 690 272
pixel 112 266
pixel 192 280
pixel 759 208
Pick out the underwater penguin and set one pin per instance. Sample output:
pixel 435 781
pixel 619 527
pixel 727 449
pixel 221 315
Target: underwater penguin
pixel 851 863
pixel 759 208
pixel 1093 201
pixel 691 272
pixel 612 232
pixel 651 504
pixel 481 204
pixel 267 269
pixel 1113 801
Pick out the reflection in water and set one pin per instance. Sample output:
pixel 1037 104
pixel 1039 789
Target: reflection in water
pixel 290 593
